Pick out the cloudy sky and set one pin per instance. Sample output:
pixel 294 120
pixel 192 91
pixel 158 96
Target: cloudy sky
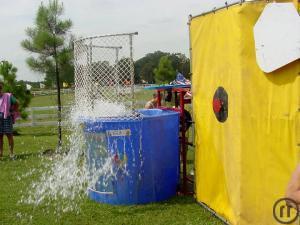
pixel 162 24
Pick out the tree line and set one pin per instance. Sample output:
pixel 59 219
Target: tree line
pixel 161 67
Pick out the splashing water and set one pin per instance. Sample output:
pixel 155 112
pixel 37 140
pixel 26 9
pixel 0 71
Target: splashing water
pixel 64 183
pixel 115 110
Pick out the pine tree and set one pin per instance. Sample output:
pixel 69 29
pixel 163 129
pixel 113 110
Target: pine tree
pixel 49 39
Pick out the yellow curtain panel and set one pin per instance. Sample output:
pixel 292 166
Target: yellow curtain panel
pixel 246 153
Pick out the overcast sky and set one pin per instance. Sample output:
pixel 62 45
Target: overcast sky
pixel 162 24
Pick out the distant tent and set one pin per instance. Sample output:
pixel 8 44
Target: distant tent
pixel 42 86
pixel 28 87
pixel 180 79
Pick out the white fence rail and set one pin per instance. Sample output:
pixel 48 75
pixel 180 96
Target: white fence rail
pixel 43 92
pixel 51 92
pixel 37 118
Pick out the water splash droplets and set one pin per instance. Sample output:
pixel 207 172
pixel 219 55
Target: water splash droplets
pixel 65 177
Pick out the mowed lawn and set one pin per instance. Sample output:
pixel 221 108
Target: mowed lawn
pixel 30 145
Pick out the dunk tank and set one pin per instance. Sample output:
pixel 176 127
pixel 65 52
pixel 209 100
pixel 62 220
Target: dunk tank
pixel 246 101
pixel 132 155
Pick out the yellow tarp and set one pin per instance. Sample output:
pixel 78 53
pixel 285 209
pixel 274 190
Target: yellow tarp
pixel 242 165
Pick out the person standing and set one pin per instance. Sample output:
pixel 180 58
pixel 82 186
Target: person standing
pixel 153 103
pixel 8 114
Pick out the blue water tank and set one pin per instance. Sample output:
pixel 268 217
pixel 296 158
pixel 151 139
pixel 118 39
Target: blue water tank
pixel 134 161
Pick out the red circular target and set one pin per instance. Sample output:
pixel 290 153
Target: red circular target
pixel 220 104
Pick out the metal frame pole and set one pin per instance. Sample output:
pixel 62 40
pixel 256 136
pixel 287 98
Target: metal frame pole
pixel 191 77
pixel 117 77
pixel 89 63
pixel 158 98
pixel 131 71
pixel 183 143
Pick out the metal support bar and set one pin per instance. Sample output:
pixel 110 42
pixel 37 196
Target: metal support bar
pixel 226 6
pixel 158 98
pixel 99 46
pixel 108 35
pixel 214 213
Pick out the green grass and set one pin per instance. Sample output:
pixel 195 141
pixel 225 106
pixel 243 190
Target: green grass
pixel 30 145
pixel 51 100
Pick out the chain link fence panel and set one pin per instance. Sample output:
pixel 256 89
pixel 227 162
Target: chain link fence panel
pixel 104 76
